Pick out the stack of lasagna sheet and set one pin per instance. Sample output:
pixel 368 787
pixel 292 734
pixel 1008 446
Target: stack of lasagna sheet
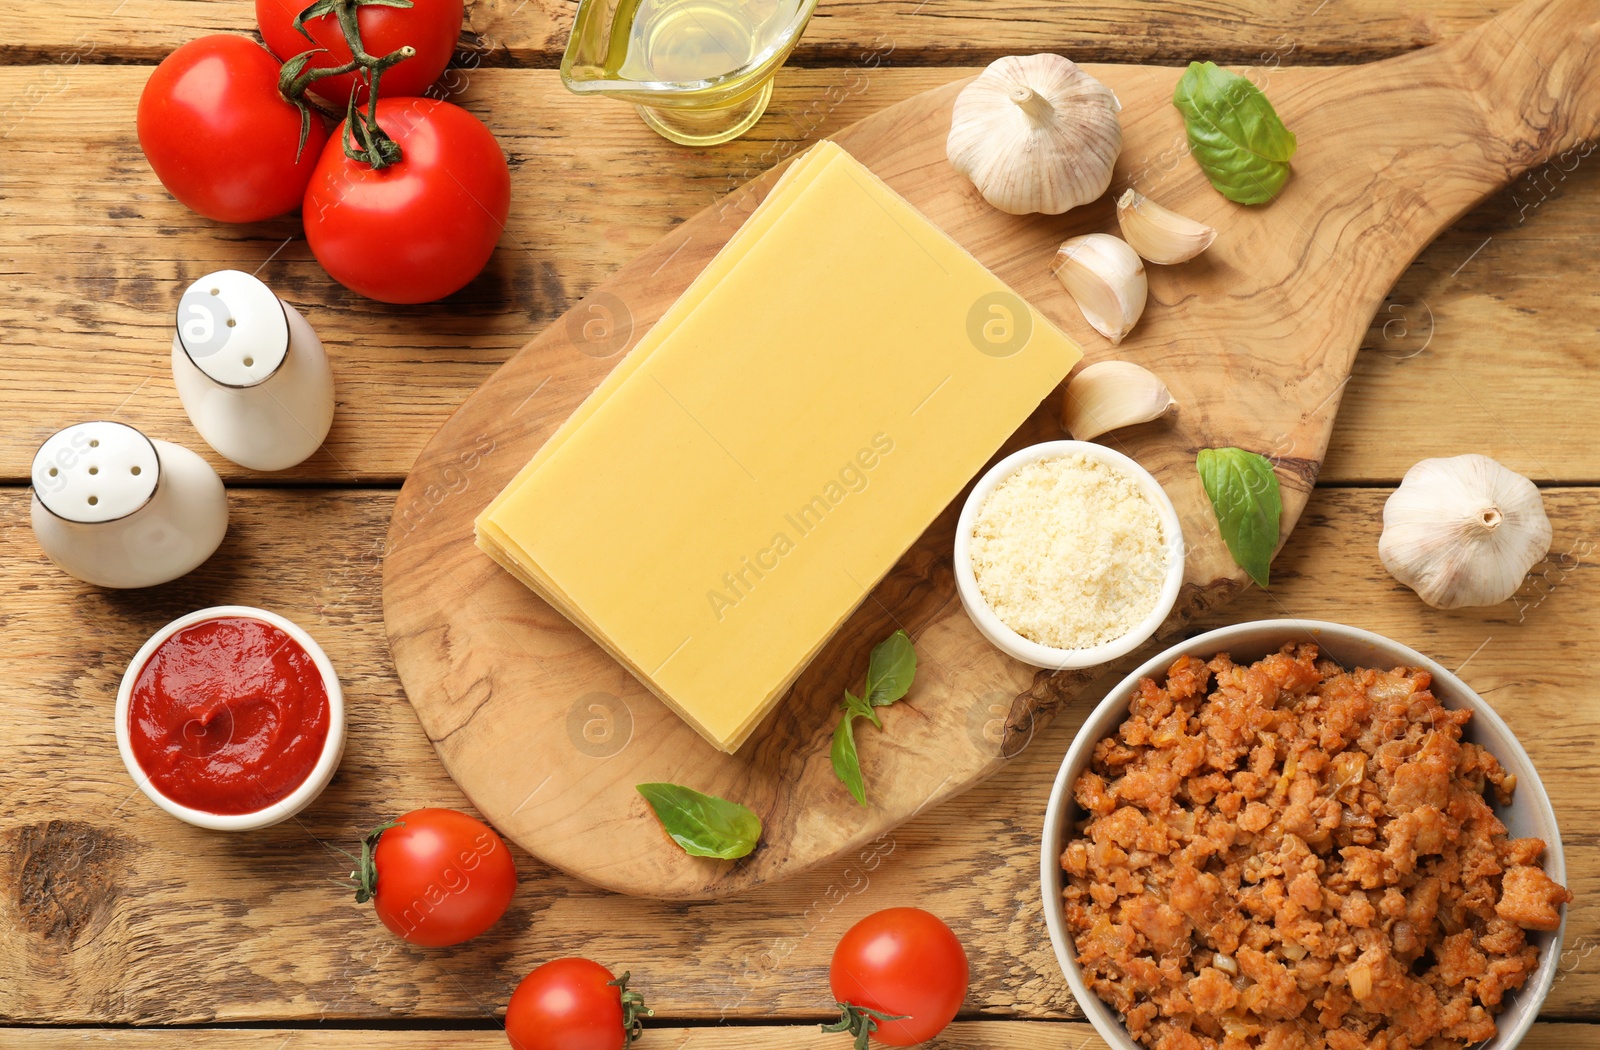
pixel 737 485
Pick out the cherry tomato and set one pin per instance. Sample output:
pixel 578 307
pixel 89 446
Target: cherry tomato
pixel 441 877
pixel 418 229
pixel 573 1004
pixel 220 137
pixel 430 26
pixel 902 962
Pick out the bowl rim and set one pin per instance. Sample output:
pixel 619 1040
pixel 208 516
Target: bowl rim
pixel 284 808
pixel 996 630
pixel 1452 692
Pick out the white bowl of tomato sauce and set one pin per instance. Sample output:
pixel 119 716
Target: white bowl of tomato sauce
pixel 231 718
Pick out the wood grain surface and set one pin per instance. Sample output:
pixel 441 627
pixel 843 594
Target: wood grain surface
pixel 1256 341
pixel 843 32
pixel 95 264
pixel 112 915
pixel 964 1035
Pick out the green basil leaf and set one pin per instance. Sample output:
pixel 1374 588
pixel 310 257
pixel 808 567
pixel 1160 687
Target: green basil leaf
pixel 1248 503
pixel 1234 133
pixel 704 825
pixel 857 706
pixel 846 763
pixel 890 669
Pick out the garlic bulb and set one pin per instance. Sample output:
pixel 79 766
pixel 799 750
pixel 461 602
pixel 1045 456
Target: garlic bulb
pixel 1106 279
pixel 1160 235
pixel 1463 531
pixel 1109 395
pixel 1035 133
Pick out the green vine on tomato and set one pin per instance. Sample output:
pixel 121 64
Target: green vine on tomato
pixel 364 879
pixel 860 1022
pixel 364 140
pixel 634 1011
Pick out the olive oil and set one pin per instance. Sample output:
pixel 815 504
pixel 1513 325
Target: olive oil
pixel 700 70
pixel 676 41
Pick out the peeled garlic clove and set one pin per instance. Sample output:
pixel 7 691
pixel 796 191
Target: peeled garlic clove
pixel 1109 395
pixel 1035 133
pixel 1159 234
pixel 1463 531
pixel 1106 279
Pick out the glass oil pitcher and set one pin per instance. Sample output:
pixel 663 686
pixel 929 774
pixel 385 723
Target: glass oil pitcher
pixel 700 71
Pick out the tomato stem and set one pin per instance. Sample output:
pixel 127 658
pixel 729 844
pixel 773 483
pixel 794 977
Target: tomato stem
pixel 364 879
pixel 633 1008
pixel 364 139
pixel 860 1021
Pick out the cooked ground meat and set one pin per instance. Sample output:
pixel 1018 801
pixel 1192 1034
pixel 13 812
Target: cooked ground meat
pixel 1290 856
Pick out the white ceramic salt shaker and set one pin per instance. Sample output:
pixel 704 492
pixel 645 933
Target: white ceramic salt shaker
pixel 251 373
pixel 116 509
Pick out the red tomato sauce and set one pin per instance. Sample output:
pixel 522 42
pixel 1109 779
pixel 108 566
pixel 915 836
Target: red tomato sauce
pixel 228 716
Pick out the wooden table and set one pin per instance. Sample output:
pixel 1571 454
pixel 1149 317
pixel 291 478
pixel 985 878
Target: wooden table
pixel 112 915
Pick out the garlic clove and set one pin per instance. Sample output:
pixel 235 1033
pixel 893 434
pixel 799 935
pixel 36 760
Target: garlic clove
pixel 1463 531
pixel 1035 133
pixel 1106 280
pixel 1109 395
pixel 1160 235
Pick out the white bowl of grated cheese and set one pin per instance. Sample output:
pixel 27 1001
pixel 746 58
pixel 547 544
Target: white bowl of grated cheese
pixel 1068 554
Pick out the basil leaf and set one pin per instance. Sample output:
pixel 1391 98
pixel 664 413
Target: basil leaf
pixel 1245 495
pixel 1234 133
pixel 890 669
pixel 704 825
pixel 846 763
pixel 857 706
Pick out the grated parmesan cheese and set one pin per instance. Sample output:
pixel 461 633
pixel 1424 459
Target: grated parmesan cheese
pixel 1069 552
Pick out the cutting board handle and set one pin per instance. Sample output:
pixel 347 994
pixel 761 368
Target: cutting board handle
pixel 1534 71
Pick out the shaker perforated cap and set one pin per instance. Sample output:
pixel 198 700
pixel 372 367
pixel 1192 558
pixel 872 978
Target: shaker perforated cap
pixel 233 328
pixel 94 472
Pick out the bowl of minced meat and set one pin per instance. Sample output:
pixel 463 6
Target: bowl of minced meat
pixel 1291 835
pixel 1068 554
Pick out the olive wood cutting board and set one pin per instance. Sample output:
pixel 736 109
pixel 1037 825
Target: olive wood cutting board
pixel 1256 338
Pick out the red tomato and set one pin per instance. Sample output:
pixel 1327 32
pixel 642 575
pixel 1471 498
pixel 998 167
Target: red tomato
pixel 430 26
pixel 442 877
pixel 220 137
pixel 419 229
pixel 902 962
pixel 573 1004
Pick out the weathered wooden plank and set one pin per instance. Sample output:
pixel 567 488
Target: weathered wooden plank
pixel 964 1035
pixel 534 32
pixel 97 254
pixel 1480 352
pixel 1487 343
pixel 112 912
pixel 978 1035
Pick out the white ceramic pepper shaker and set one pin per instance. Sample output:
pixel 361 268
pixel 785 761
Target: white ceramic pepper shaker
pixel 116 509
pixel 251 373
